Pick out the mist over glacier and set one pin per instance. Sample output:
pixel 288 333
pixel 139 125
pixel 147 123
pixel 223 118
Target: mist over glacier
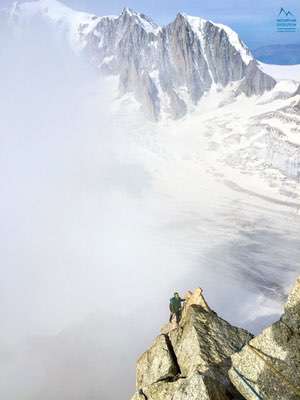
pixel 103 215
pixel 81 235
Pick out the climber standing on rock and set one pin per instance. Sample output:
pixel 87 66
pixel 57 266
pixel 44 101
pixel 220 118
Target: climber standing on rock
pixel 175 307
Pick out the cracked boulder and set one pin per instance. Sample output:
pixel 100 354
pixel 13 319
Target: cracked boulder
pixel 196 387
pixel 204 339
pixel 269 366
pixel 158 363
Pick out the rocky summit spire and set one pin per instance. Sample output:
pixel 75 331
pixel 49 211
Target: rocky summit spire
pixel 206 358
pixel 191 361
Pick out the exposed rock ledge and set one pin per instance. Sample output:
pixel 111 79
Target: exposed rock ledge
pixel 206 358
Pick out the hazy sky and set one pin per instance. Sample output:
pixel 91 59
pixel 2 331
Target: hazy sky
pixel 255 22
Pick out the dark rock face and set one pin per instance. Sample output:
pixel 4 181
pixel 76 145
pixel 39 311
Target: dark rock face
pixel 255 81
pixel 225 62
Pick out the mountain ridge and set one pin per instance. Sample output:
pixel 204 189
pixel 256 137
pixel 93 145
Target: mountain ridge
pixel 168 69
pixel 190 67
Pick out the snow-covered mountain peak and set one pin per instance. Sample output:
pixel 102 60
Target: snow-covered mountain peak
pixel 199 24
pixel 190 18
pixel 196 23
pixel 56 11
pixel 168 69
pixel 129 11
pixel 144 21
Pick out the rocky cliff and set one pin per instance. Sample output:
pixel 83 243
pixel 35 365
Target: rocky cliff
pixel 268 367
pixel 206 358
